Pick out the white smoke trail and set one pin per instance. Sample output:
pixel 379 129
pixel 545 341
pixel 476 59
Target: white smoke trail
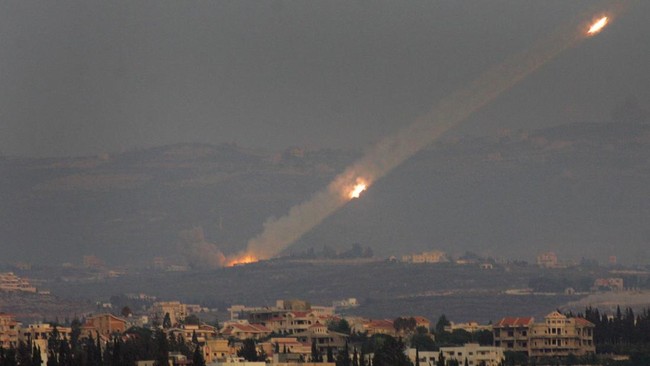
pixel 278 234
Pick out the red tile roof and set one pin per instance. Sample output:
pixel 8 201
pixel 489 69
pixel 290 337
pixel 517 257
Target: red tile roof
pixel 515 321
pixel 583 321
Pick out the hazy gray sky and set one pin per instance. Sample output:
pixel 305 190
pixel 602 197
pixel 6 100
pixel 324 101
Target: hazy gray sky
pixel 89 77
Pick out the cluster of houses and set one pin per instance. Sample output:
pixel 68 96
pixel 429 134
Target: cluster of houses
pixel 289 332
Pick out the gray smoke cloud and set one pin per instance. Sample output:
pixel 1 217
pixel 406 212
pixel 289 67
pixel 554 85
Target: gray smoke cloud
pixel 390 152
pixel 198 252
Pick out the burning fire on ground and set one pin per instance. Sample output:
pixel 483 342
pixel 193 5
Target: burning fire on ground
pixel 598 26
pixel 241 259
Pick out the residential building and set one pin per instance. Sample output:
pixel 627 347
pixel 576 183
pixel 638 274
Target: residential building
pixel 473 353
pixel 39 333
pixel 547 260
pixel 470 327
pixel 10 282
pixel 511 333
pixel 9 330
pixel 217 350
pixel 435 256
pixel 177 311
pixel 377 326
pixel 187 331
pixel 561 336
pixel 103 324
pixel 245 330
pixel 323 338
pixel 557 336
pixel 612 283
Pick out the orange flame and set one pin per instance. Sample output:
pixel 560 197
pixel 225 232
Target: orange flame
pixel 242 259
pixel 357 189
pixel 598 26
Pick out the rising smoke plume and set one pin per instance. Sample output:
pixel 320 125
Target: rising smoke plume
pixel 198 252
pixel 390 152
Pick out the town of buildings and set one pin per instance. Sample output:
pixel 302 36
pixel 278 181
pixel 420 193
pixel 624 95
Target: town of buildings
pixel 290 331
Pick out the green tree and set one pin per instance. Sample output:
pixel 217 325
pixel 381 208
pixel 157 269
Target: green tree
pixel 192 319
pixel 343 357
pixel 341 326
pixel 162 348
pixel 249 351
pixel 24 354
pixel 167 321
pixel 197 357
pixel 315 353
pixel 37 360
pixel 441 324
pixel 423 342
pixel 441 360
pixel 391 353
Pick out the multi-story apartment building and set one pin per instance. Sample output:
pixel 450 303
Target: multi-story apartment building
pixel 472 353
pixel 558 335
pixel 177 311
pixel 511 333
pixel 10 282
pixel 561 336
pixel 103 325
pixel 9 330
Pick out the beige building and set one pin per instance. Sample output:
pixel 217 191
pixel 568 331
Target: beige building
pixel 9 330
pixel 547 260
pixel 470 327
pixel 556 336
pixel 10 282
pixel 561 336
pixel 217 350
pixel 39 333
pixel 177 311
pixel 434 256
pixel 511 333
pixel 472 352
pixel 103 324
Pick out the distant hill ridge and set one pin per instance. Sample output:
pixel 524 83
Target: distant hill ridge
pixel 580 189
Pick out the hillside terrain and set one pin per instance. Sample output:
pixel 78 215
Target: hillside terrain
pixel 582 190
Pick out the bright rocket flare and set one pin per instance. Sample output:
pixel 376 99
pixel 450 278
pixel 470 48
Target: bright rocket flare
pixel 358 188
pixel 598 26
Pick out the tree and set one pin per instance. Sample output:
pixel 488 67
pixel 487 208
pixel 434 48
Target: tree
pixel 315 354
pixel 391 353
pixel 423 342
pixel 441 324
pixel 195 338
pixel 441 359
pixel 24 354
pixel 343 357
pixel 126 312
pixel 341 326
pixel 37 360
pixel 192 319
pixel 197 357
pixel 249 351
pixel 167 321
pixel 162 348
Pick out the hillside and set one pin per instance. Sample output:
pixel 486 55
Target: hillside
pixel 581 190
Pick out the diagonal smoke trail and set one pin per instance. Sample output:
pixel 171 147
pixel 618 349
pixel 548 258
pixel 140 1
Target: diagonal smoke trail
pixel 278 234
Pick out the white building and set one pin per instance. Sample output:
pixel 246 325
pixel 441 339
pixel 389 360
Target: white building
pixel 475 354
